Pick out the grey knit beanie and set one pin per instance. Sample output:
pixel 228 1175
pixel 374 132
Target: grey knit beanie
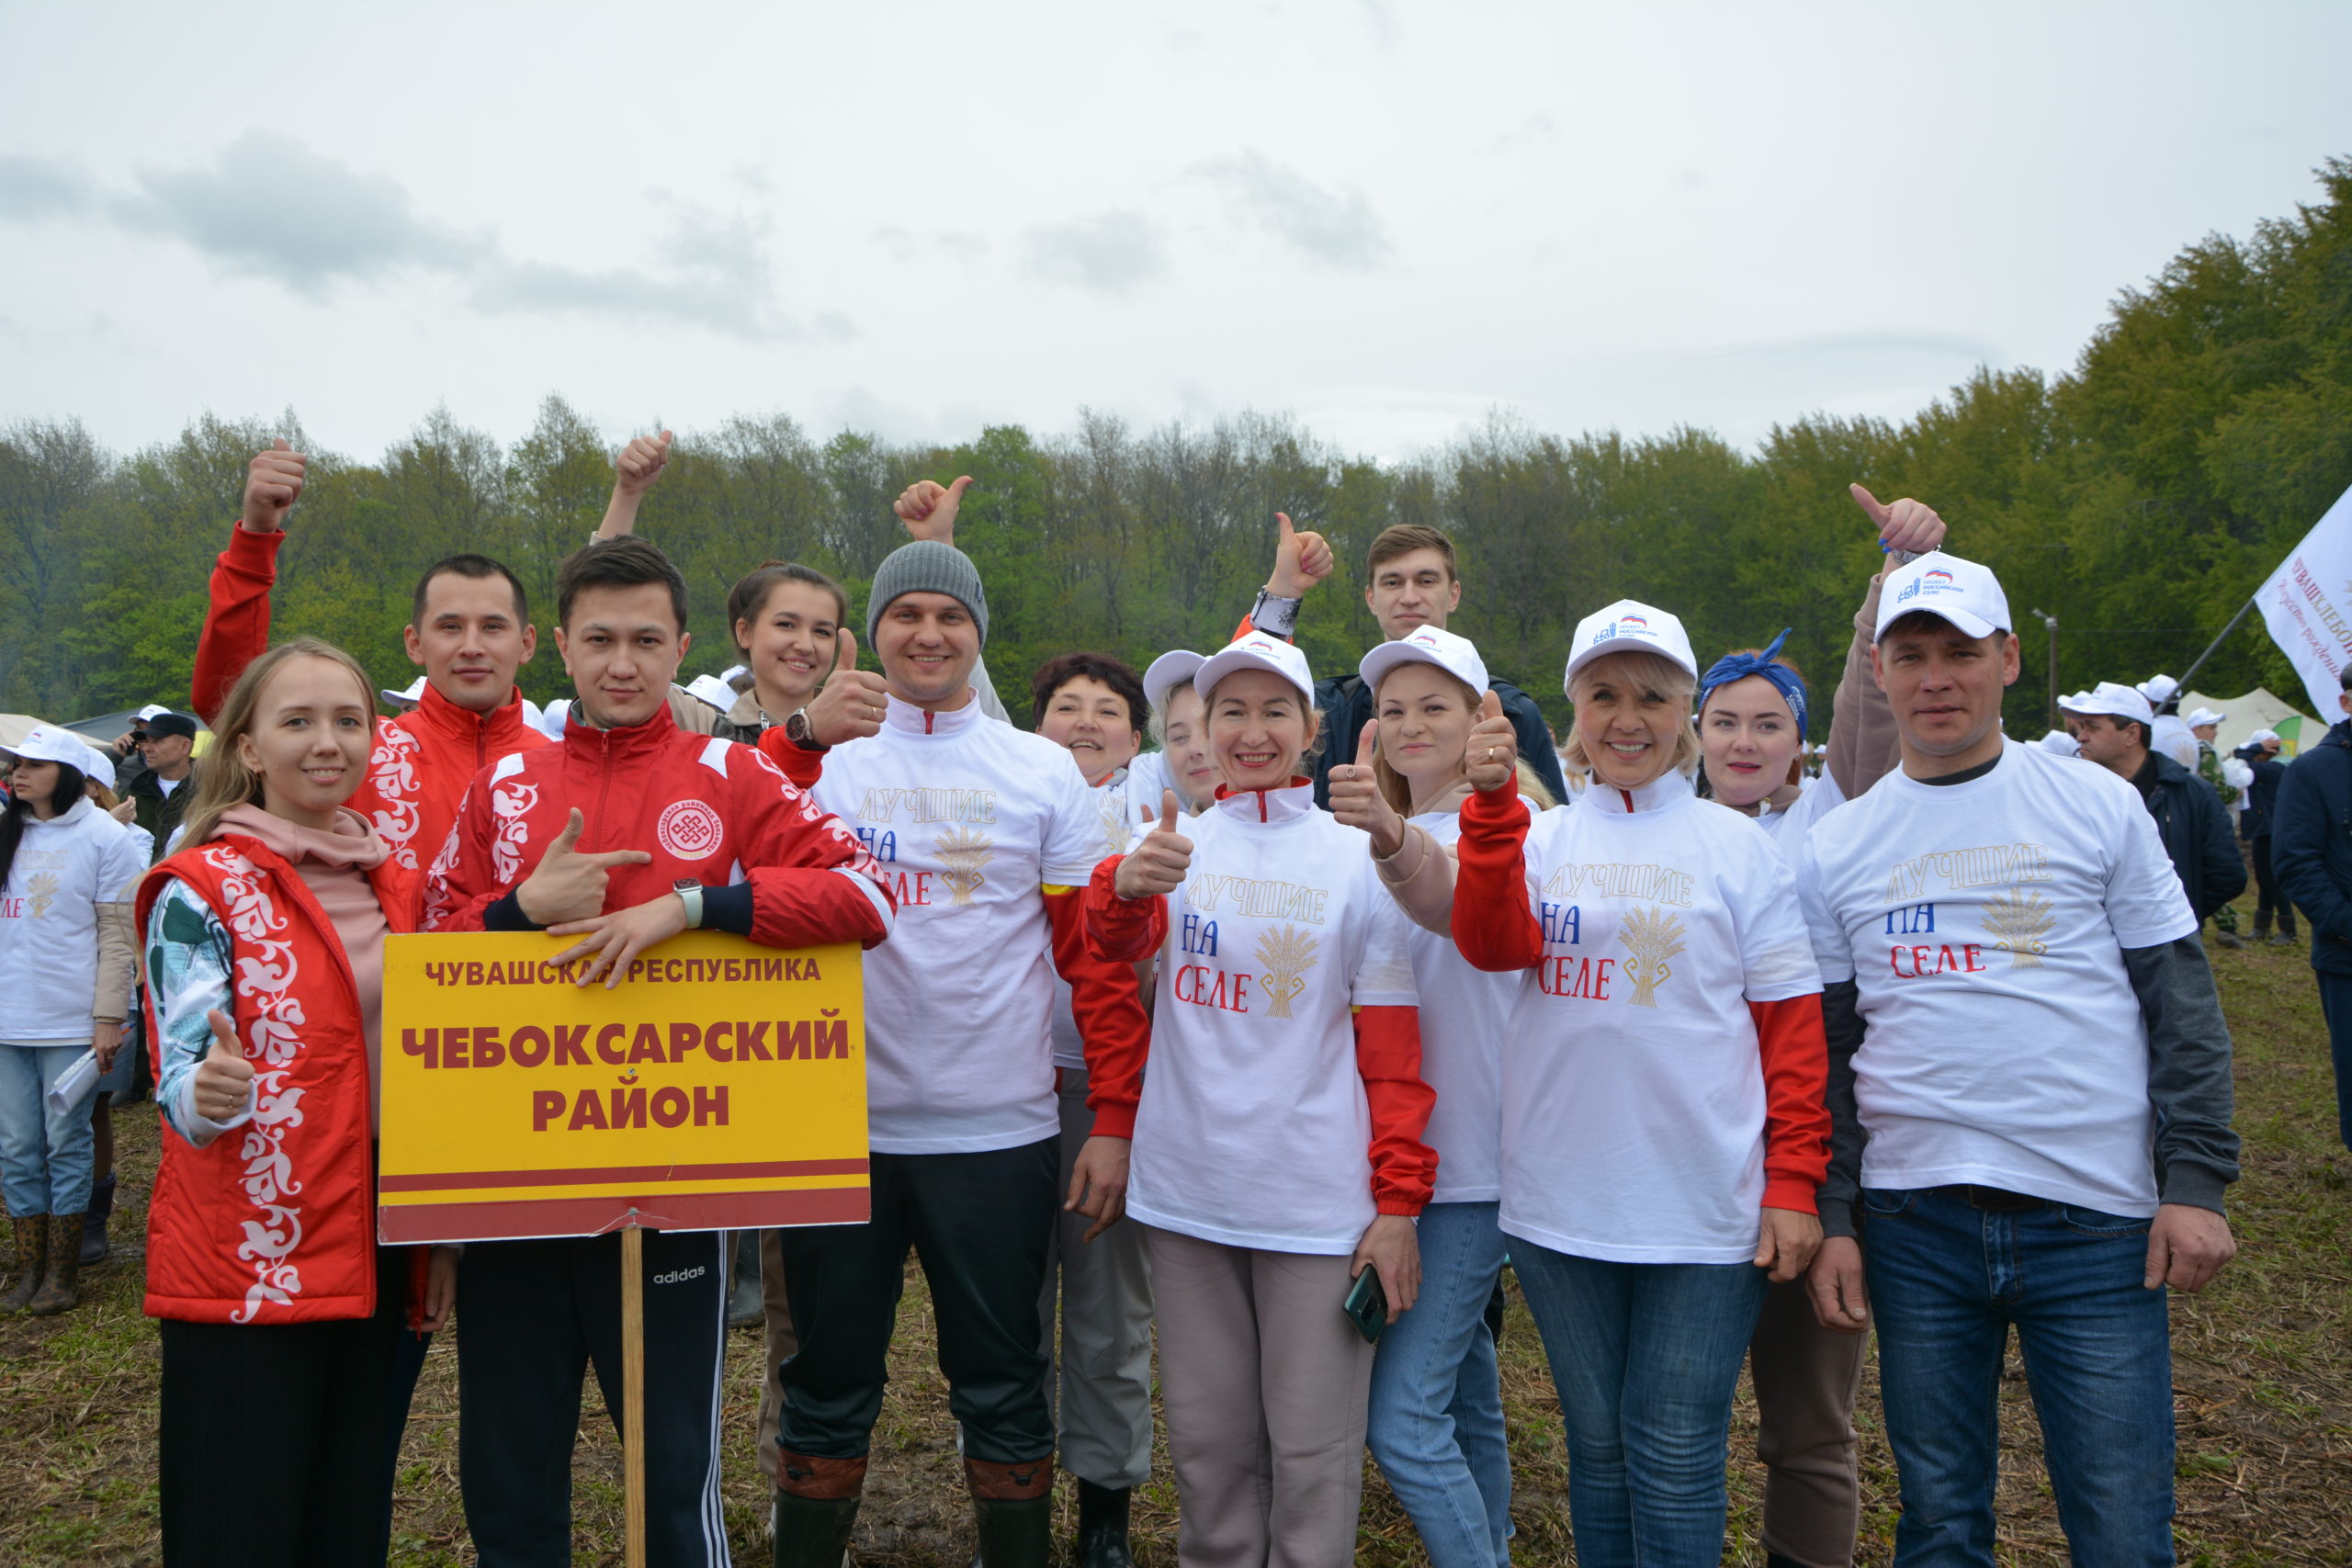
pixel 926 566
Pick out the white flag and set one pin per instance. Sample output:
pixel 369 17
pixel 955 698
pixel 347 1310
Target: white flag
pixel 2307 603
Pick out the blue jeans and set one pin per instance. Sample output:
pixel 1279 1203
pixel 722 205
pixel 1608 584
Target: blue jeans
pixel 45 1156
pixel 1646 1357
pixel 1436 1423
pixel 1947 1280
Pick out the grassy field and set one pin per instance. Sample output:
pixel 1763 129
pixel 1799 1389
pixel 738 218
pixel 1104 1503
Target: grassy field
pixel 2263 1389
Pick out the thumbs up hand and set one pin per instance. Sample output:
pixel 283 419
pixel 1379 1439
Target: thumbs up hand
pixel 223 1082
pixel 1159 864
pixel 1301 560
pixel 851 701
pixel 1909 526
pixel 273 484
pixel 1357 801
pixel 928 508
pixel 1491 758
pixel 640 463
pixel 567 884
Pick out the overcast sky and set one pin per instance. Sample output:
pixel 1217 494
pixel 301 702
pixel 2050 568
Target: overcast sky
pixel 1386 218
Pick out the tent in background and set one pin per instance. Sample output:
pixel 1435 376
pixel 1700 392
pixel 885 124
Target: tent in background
pixel 15 727
pixel 2256 710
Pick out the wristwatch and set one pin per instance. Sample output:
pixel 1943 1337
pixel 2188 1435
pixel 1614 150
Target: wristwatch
pixel 689 893
pixel 797 730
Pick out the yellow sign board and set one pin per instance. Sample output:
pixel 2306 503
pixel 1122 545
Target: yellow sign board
pixel 718 1086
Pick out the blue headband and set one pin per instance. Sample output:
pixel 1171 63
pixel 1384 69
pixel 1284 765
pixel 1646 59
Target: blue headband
pixel 1739 666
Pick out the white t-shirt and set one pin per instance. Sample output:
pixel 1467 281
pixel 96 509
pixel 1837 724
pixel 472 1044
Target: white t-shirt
pixel 971 820
pixel 167 785
pixel 1985 922
pixel 1464 1012
pixel 49 923
pixel 1118 799
pixel 2171 734
pixel 1254 1129
pixel 1632 1078
pixel 1788 828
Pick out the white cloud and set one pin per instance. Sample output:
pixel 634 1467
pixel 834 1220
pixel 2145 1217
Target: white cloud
pixel 1110 253
pixel 1336 227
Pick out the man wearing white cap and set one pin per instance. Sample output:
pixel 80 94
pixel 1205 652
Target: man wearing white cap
pixel 2030 1079
pixel 2112 723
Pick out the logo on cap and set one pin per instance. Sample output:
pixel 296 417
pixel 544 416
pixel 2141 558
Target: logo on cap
pixel 1624 625
pixel 1938 578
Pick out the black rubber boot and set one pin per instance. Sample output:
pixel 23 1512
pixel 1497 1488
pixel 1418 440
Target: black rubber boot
pixel 815 1515
pixel 1013 1510
pixel 1103 1527
pixel 94 1221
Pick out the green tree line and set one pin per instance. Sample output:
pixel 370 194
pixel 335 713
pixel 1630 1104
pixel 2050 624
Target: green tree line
pixel 2140 498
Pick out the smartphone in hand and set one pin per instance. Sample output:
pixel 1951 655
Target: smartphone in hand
pixel 1367 1304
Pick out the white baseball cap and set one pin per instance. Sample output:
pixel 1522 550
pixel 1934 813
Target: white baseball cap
pixel 1168 672
pixel 47 744
pixel 2058 740
pixel 1961 592
pixel 96 764
pixel 2262 737
pixel 2109 697
pixel 151 710
pixel 1454 654
pixel 1256 651
pixel 2159 688
pixel 409 695
pixel 2203 717
pixel 1629 626
pixel 713 689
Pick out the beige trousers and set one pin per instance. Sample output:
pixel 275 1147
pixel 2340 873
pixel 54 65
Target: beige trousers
pixel 1264 1385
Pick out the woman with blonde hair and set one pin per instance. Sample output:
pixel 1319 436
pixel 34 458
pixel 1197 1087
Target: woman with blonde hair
pixel 1436 1423
pixel 1277 1153
pixel 279 1312
pixel 1663 1125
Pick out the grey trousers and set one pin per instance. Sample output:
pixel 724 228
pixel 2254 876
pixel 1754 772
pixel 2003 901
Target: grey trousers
pixel 1102 1381
pixel 1265 1385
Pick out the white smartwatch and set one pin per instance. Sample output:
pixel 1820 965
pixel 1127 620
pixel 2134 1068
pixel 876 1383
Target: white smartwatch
pixel 689 893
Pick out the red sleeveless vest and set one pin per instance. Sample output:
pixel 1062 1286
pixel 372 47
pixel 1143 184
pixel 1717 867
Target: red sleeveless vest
pixel 274 1220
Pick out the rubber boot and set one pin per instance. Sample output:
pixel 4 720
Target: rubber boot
pixel 32 1232
pixel 1103 1526
pixel 1013 1510
pixel 95 1245
pixel 2286 923
pixel 745 1307
pixel 816 1509
pixel 59 1289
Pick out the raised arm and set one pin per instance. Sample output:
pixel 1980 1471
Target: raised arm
pixel 1862 745
pixel 639 463
pixel 236 612
pixel 1493 926
pixel 1302 560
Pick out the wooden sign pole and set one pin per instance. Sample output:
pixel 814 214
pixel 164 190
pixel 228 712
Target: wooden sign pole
pixel 633 1388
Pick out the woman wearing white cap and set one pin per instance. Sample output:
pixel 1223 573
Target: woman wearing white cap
pixel 1752 714
pixel 1663 1127
pixel 1179 728
pixel 66 872
pixel 1437 1415
pixel 1277 1149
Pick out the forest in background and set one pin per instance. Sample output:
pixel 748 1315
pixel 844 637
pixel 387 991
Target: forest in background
pixel 2139 497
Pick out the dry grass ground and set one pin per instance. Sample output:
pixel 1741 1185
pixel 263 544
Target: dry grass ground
pixel 2264 1379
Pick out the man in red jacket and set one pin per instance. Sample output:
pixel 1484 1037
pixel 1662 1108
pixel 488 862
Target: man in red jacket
pixel 470 629
pixel 626 833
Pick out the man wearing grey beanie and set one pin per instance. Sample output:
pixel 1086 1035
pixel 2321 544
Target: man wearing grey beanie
pixel 989 836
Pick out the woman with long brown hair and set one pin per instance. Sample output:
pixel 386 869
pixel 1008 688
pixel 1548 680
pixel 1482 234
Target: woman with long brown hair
pixel 279 1313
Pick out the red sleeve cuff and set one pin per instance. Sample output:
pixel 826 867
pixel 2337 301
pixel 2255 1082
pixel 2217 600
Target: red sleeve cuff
pixel 1121 929
pixel 1795 1051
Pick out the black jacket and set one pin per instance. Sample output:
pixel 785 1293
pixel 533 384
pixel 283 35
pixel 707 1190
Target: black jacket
pixel 2310 845
pixel 153 810
pixel 1346 707
pixel 2196 831
pixel 2262 795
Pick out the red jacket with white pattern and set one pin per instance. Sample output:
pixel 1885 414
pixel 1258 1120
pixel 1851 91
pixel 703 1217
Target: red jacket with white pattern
pixel 707 810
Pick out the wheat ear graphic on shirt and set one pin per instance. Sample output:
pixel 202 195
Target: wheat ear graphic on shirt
pixel 963 850
pixel 1288 953
pixel 43 889
pixel 1655 936
pixel 2017 920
